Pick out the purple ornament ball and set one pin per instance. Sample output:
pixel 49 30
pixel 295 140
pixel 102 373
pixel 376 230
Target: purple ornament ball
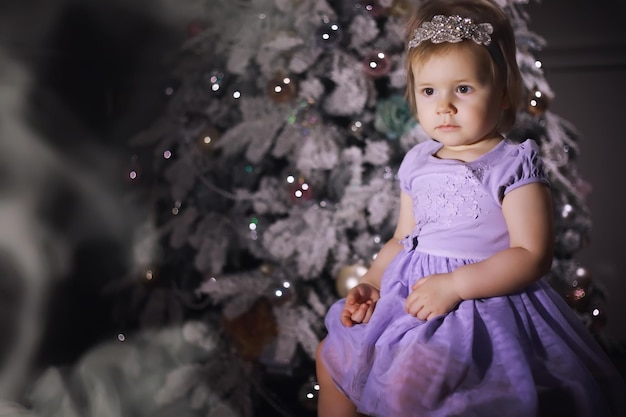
pixel 377 64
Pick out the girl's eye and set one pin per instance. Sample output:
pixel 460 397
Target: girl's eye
pixel 464 89
pixel 428 91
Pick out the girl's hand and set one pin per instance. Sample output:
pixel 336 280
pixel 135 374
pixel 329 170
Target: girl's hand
pixel 360 303
pixel 432 296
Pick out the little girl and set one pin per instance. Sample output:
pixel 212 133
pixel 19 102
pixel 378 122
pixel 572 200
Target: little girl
pixel 453 318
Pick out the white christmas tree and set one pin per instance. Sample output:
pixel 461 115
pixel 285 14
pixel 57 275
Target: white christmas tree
pixel 272 179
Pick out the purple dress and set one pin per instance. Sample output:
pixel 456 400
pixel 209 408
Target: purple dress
pixel 520 355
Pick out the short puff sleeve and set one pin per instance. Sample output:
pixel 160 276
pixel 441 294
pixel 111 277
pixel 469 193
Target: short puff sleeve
pixel 521 166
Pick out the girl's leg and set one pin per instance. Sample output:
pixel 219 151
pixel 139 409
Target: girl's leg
pixel 331 402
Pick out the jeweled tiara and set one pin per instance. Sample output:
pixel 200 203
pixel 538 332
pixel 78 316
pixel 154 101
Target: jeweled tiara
pixel 451 29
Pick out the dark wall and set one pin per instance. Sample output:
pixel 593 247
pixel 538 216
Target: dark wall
pixel 585 65
pixel 100 61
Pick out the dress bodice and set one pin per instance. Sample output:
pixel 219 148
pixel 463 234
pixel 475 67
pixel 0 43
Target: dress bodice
pixel 458 205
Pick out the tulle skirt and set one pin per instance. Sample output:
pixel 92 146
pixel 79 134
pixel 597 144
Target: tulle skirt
pixel 525 354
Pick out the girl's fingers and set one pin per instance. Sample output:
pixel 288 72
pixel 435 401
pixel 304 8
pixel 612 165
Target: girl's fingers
pixel 419 282
pixel 346 314
pixel 414 307
pixel 423 314
pixel 412 298
pixel 350 298
pixel 359 315
pixel 368 313
pixel 345 318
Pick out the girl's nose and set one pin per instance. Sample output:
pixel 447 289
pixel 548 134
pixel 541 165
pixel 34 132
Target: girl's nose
pixel 444 105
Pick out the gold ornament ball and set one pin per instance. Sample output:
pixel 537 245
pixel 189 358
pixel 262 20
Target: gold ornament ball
pixel 266 269
pixel 253 330
pixel 348 278
pixel 281 89
pixel 400 8
pixel 537 103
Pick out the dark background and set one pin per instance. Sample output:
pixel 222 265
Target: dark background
pixel 90 74
pixel 585 65
pixel 98 71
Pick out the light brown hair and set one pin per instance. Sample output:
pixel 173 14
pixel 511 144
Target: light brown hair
pixel 501 51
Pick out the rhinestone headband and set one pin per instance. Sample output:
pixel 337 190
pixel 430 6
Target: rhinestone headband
pixel 451 29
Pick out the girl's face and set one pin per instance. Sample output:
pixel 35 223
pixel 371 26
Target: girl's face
pixel 457 101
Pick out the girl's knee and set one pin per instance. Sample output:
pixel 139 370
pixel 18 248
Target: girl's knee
pixel 318 351
pixel 319 365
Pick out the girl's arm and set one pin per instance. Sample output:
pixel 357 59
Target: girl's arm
pixel 528 214
pixel 405 225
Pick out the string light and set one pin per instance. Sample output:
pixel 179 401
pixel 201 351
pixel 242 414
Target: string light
pixel 567 210
pixel 176 208
pixel 327 35
pixel 356 126
pixel 254 224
